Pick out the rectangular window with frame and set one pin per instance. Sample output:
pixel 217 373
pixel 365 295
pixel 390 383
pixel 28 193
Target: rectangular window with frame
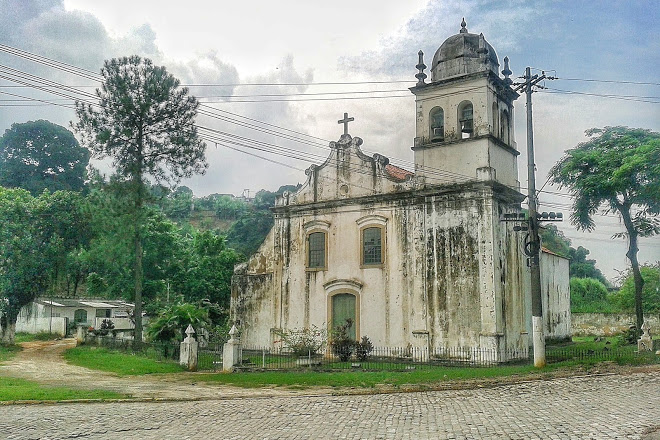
pixel 316 249
pixel 372 246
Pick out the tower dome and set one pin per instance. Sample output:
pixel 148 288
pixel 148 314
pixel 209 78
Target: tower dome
pixel 463 54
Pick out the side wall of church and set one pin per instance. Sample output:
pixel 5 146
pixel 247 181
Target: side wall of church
pixel 555 289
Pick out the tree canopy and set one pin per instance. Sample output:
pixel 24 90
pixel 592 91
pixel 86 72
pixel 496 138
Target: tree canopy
pixel 36 235
pixel 145 122
pixel 40 155
pixel 616 169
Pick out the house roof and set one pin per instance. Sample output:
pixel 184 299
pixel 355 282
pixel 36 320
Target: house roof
pixel 397 173
pixel 548 251
pixel 84 302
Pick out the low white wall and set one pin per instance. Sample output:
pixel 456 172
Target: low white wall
pixel 606 324
pixel 120 323
pixel 36 325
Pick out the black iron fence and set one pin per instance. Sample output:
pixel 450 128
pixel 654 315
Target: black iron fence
pixel 210 357
pixel 154 350
pixel 381 358
pixel 627 354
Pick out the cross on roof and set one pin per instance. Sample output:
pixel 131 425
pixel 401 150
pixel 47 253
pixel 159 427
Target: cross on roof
pixel 345 121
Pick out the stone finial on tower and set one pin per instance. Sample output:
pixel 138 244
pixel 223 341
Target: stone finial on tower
pixel 507 72
pixel 421 76
pixel 463 27
pixel 482 50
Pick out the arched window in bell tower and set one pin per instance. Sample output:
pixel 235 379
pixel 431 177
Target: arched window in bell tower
pixel 496 121
pixel 504 124
pixel 437 124
pixel 466 119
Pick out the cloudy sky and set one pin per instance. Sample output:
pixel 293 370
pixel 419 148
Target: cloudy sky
pixel 262 61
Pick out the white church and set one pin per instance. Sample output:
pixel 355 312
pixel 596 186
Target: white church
pixel 415 259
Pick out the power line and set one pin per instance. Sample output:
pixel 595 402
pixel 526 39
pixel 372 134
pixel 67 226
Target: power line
pixel 600 95
pixel 609 81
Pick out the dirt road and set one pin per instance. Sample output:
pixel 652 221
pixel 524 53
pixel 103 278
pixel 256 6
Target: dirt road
pixel 42 361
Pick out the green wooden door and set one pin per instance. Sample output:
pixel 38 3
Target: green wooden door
pixel 343 308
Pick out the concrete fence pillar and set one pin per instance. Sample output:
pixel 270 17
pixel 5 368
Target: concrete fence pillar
pixel 188 353
pixel 81 334
pixel 231 352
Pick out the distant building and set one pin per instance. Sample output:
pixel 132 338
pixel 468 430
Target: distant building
pixel 413 259
pixel 57 314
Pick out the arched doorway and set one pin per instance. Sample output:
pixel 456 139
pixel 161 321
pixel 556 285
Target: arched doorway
pixel 343 308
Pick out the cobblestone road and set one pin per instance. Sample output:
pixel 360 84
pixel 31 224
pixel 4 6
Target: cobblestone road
pixel 617 406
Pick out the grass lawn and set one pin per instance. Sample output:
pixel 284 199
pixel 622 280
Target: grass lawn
pixel 123 364
pixel 20 389
pixel 563 356
pixel 360 379
pixel 41 336
pixel 8 351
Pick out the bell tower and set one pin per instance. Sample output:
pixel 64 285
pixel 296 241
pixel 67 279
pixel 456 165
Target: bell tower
pixel 464 115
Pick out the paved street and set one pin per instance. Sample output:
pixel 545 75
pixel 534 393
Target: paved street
pixel 577 408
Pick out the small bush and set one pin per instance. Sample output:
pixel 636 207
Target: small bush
pixel 363 349
pixel 342 344
pixel 106 326
pixel 629 337
pixel 303 342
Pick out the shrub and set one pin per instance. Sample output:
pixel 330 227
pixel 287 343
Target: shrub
pixel 342 344
pixel 173 321
pixel 363 349
pixel 304 342
pixel 625 297
pixel 589 295
pixel 106 326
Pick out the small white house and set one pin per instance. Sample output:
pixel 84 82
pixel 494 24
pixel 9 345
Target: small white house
pixel 56 314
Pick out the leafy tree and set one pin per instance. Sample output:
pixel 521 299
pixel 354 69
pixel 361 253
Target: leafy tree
pixel 173 321
pixel 40 155
pixel 580 267
pixel 145 122
pixel 618 168
pixel 208 271
pixel 252 227
pixel 625 297
pixel 36 232
pixel 248 232
pixel 588 295
pixel 555 241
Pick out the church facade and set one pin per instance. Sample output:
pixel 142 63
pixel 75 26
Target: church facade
pixel 417 258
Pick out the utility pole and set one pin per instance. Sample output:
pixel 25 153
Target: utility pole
pixel 534 244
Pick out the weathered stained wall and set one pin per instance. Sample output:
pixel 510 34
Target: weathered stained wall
pixel 488 146
pixel 607 324
pixel 451 274
pixel 556 294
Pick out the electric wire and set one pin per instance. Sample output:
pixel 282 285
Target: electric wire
pixel 86 73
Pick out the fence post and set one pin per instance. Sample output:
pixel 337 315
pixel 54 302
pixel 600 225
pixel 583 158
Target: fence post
pixel 231 352
pixel 645 343
pixel 188 352
pixel 81 334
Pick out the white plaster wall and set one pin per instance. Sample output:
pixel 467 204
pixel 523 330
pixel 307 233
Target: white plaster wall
pixel 37 324
pixel 463 156
pixel 555 292
pixel 556 296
